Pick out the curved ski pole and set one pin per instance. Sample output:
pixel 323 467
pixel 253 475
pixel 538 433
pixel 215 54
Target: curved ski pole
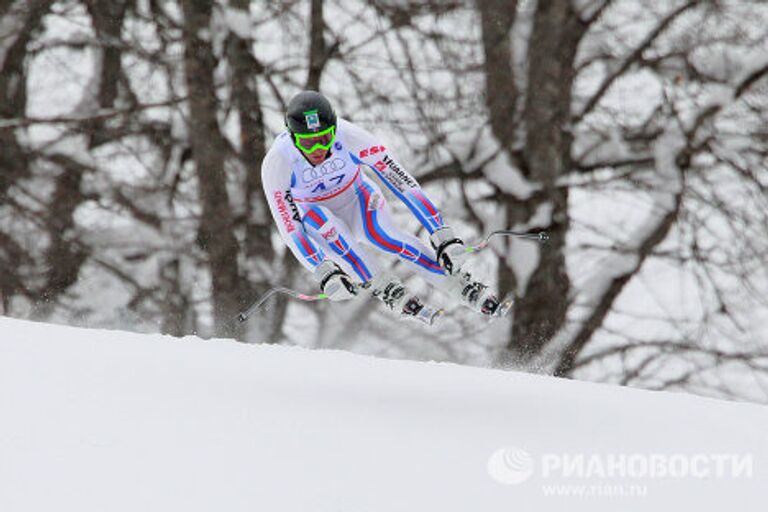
pixel 243 315
pixel 538 236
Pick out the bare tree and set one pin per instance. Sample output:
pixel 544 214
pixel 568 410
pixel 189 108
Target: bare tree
pixel 135 200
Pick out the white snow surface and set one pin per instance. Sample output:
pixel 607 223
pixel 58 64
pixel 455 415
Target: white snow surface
pixel 94 420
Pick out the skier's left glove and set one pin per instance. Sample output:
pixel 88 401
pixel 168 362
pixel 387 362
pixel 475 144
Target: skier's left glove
pixel 450 249
pixel 334 282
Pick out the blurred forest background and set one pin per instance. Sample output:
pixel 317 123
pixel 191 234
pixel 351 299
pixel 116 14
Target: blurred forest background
pixel 633 131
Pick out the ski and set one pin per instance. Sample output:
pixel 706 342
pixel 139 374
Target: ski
pixel 503 308
pixel 417 310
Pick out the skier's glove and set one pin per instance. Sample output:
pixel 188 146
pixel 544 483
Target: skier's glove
pixel 451 252
pixel 334 282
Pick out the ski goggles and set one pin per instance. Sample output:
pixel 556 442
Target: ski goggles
pixel 311 142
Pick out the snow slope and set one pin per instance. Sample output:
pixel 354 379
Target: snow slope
pixel 96 420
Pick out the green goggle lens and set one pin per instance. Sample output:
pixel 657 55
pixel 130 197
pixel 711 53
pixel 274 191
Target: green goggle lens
pixel 311 142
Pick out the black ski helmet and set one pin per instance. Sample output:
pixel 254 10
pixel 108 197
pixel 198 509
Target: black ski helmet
pixel 309 112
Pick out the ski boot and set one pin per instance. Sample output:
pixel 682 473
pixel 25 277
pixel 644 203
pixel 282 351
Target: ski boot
pixel 395 296
pixel 415 309
pixel 478 297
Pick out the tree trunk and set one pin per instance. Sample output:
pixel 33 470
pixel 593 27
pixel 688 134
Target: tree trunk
pixel 21 23
pixel 497 18
pixel 318 53
pixel 14 160
pixel 216 229
pixel 107 16
pixel 557 30
pixel 65 255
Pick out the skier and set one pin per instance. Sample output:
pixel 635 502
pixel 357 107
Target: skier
pixel 317 180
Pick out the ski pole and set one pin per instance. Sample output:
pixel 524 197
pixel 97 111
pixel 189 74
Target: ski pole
pixel 243 315
pixel 538 236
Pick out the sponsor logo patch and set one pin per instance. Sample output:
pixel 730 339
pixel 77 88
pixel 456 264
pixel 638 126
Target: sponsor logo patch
pixel 398 176
pixel 373 150
pixel 312 119
pixel 327 168
pixel 330 234
pixel 285 213
pixel 294 208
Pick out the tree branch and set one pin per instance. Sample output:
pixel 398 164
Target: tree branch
pixel 633 57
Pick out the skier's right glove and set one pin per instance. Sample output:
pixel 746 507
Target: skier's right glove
pixel 450 249
pixel 334 282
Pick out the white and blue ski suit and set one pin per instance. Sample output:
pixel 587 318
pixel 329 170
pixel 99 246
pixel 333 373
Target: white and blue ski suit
pixel 335 210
